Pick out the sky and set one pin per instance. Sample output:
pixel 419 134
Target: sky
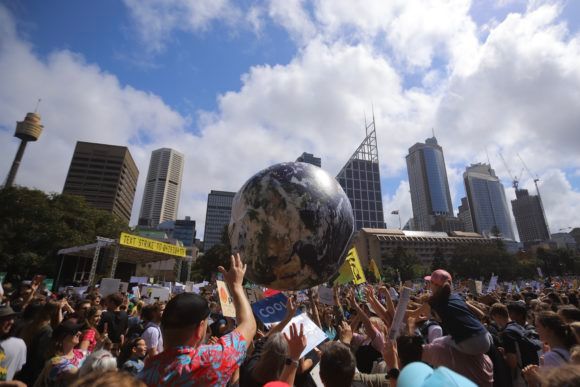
pixel 240 85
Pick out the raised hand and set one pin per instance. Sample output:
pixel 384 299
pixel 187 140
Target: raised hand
pixel 234 276
pixel 345 333
pixel 296 341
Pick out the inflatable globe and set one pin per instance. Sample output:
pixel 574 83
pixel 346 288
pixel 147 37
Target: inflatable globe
pixel 292 225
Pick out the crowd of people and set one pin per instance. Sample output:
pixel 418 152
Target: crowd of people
pixel 448 336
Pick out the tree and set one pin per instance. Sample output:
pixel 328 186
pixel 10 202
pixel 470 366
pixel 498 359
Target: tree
pixel 35 225
pixel 439 261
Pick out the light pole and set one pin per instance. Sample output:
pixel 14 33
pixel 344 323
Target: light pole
pixel 28 130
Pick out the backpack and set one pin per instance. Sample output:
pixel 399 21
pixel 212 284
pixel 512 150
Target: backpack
pixel 527 348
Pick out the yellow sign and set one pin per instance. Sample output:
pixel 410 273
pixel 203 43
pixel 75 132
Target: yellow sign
pixel 351 270
pixel 375 269
pixel 150 245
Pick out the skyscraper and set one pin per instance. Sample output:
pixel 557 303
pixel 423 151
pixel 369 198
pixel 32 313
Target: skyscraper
pixel 430 195
pixel 361 180
pixel 464 215
pixel 487 202
pixel 217 216
pixel 105 175
pixel 530 220
pixel 163 187
pixel 310 159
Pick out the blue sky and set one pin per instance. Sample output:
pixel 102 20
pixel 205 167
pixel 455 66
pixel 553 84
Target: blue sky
pixel 237 86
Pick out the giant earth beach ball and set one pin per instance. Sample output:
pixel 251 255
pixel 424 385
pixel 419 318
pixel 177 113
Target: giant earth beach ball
pixel 292 224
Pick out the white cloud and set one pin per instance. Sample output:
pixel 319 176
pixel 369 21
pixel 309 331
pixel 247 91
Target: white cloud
pixel 400 200
pixel 156 20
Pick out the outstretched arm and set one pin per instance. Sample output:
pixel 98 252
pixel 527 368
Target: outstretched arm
pixel 234 279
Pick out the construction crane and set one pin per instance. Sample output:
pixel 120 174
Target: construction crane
pixel 536 179
pixel 515 181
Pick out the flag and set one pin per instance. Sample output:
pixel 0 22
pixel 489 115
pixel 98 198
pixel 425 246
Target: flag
pixel 351 270
pixel 375 269
pixel 396 212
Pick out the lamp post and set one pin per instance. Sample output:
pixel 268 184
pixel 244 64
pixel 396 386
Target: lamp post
pixel 28 130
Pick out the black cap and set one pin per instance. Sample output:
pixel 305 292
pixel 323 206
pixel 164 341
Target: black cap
pixel 66 328
pixel 183 310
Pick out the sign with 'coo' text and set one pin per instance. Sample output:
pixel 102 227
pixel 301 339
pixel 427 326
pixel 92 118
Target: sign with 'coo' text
pixel 271 310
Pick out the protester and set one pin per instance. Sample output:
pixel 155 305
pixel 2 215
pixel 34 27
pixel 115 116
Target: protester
pixel 98 361
pixel 65 360
pixel 91 336
pixel 114 321
pixel 337 365
pixel 12 349
pixel 151 315
pixel 132 355
pixel 185 360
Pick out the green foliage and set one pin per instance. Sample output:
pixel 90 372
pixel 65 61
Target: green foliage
pixel 406 262
pixel 34 226
pixel 439 260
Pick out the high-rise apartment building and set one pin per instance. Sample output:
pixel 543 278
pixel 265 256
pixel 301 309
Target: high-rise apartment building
pixel 487 202
pixel 529 215
pixel 162 188
pixel 361 181
pixel 217 216
pixel 464 215
pixel 310 159
pixel 428 183
pixel 105 175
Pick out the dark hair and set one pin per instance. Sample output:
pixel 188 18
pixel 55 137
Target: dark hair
pixel 410 349
pixel 337 365
pixel 569 312
pixel 499 309
pixel 553 322
pixel 516 308
pixel 116 299
pixel 127 351
pixel 148 311
pixel 566 375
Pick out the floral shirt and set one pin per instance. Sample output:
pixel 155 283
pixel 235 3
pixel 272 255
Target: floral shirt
pixel 61 365
pixel 206 365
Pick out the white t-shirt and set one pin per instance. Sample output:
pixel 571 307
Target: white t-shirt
pixel 152 336
pixel 14 356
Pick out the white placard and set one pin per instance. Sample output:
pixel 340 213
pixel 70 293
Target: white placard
pixel 124 287
pixel 254 294
pixel 400 313
pixel 226 300
pixel 314 335
pixel 139 280
pixel 326 295
pixel 136 292
pixel 492 284
pixel 109 286
pixel 155 294
pixel 81 290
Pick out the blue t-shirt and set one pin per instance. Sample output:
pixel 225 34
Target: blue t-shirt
pixel 456 318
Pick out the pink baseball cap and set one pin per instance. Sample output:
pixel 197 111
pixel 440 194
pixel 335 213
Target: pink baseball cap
pixel 438 277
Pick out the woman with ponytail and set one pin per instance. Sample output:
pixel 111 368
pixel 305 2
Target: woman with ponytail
pixel 464 331
pixel 559 337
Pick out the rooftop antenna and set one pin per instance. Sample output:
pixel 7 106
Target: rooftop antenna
pixel 365 116
pixel 433 131
pixel 37 105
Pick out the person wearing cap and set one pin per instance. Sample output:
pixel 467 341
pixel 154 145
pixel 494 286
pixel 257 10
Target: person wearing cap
pixel 65 359
pixel 464 331
pixel 12 349
pixel 186 361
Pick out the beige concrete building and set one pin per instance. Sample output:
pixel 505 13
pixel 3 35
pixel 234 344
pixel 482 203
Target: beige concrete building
pixel 379 244
pixel 105 175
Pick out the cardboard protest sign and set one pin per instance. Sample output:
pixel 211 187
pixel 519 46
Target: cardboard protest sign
pixel 155 294
pixel 400 313
pixel 226 301
pixel 492 284
pixel 475 287
pixel 124 287
pixel 138 280
pixel 109 286
pixel 272 309
pixel 136 292
pixel 326 295
pixel 81 290
pixel 314 335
